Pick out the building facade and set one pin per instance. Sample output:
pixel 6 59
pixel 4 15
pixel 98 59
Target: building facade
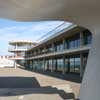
pixel 18 48
pixel 5 61
pixel 65 52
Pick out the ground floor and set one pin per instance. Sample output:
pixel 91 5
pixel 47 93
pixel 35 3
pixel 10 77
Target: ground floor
pixel 20 84
pixel 72 63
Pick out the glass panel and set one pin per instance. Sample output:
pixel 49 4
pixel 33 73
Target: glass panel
pixel 59 64
pixel 71 64
pixel 87 37
pixel 77 65
pixel 66 64
pixel 59 47
pixel 50 64
pixel 74 42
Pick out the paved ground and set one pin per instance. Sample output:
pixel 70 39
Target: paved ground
pixel 19 84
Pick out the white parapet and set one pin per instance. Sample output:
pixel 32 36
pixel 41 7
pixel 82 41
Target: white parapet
pixel 5 62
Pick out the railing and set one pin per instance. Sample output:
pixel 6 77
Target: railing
pixel 13 48
pixel 84 47
pixel 16 57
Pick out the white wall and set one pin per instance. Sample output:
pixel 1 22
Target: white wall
pixel 4 62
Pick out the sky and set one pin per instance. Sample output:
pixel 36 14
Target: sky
pixel 12 30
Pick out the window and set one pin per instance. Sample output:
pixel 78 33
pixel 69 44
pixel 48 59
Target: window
pixel 87 37
pixel 74 42
pixel 77 65
pixel 71 64
pixel 59 47
pixel 59 64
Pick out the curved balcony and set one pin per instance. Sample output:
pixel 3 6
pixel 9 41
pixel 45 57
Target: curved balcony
pixel 13 49
pixel 16 58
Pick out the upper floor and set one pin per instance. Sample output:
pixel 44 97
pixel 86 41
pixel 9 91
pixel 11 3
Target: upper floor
pixel 20 45
pixel 72 39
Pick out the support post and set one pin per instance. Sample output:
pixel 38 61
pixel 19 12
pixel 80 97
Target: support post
pixel 81 39
pixel 56 65
pixel 52 66
pixel 43 64
pixel 15 64
pixel 63 69
pixel 64 44
pixel 53 50
pixel 81 65
pixel 90 88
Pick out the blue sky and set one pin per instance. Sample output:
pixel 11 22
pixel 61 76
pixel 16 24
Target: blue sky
pixel 12 30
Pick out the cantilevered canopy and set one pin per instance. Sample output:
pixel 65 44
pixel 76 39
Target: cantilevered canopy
pixel 21 42
pixel 70 10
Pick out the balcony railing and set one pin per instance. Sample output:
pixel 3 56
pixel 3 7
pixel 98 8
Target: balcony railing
pixel 82 48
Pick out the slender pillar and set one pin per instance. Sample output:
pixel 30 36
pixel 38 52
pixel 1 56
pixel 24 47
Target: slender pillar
pixel 64 45
pixel 52 66
pixel 90 88
pixel 63 68
pixel 53 47
pixel 15 66
pixel 38 65
pixel 81 65
pixel 56 65
pixel 32 64
pixel 44 64
pixel 81 39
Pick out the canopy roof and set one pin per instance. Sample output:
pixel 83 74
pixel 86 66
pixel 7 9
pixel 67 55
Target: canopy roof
pixel 21 42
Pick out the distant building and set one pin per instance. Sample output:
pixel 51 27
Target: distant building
pixel 18 48
pixel 5 61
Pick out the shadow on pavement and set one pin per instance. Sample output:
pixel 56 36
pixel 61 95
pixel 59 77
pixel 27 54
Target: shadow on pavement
pixel 67 76
pixel 41 90
pixel 14 86
pixel 18 82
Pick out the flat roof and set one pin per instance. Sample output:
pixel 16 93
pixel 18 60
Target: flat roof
pixel 21 42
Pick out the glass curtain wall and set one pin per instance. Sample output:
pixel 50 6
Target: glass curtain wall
pixel 75 64
pixel 87 37
pixel 74 42
pixel 59 47
pixel 59 64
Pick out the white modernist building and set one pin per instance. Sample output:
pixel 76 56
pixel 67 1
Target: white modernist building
pixel 18 48
pixel 85 13
pixel 5 61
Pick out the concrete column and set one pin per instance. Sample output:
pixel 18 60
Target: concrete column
pixel 81 39
pixel 64 44
pixel 44 64
pixel 90 88
pixel 68 65
pixel 56 65
pixel 52 66
pixel 63 69
pixel 15 66
pixel 81 65
pixel 53 46
pixel 32 65
pixel 37 65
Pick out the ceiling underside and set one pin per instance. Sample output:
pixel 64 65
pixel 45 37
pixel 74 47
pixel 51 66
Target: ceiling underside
pixel 82 12
pixel 28 10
